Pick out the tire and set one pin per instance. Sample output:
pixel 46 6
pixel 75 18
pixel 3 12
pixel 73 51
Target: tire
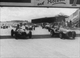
pixel 12 33
pixel 30 34
pixel 52 33
pixel 74 34
pixel 16 35
pixel 61 35
pixel 71 35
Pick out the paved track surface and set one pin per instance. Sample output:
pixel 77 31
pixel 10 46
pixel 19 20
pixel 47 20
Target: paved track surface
pixel 40 48
pixel 41 45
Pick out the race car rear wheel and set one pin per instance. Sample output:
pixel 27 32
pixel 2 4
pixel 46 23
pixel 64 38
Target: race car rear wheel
pixel 72 35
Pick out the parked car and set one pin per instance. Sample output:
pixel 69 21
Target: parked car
pixel 62 32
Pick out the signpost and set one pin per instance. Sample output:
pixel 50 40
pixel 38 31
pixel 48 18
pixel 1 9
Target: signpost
pixel 41 3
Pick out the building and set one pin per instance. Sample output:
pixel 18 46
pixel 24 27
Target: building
pixel 44 20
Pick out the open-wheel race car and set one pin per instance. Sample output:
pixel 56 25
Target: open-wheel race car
pixel 21 33
pixel 63 33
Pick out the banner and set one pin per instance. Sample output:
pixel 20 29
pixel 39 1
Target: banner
pixel 58 3
pixel 42 3
pixel 51 2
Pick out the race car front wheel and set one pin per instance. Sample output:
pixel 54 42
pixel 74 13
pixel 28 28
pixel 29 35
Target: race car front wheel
pixel 12 33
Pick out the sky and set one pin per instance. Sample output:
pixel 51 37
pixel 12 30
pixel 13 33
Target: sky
pixel 29 13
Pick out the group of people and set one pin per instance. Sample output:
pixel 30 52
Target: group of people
pixel 4 26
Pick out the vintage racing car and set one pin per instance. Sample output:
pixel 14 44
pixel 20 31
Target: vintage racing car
pixel 21 33
pixel 62 32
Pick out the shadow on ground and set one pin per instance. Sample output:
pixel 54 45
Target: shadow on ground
pixel 33 37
